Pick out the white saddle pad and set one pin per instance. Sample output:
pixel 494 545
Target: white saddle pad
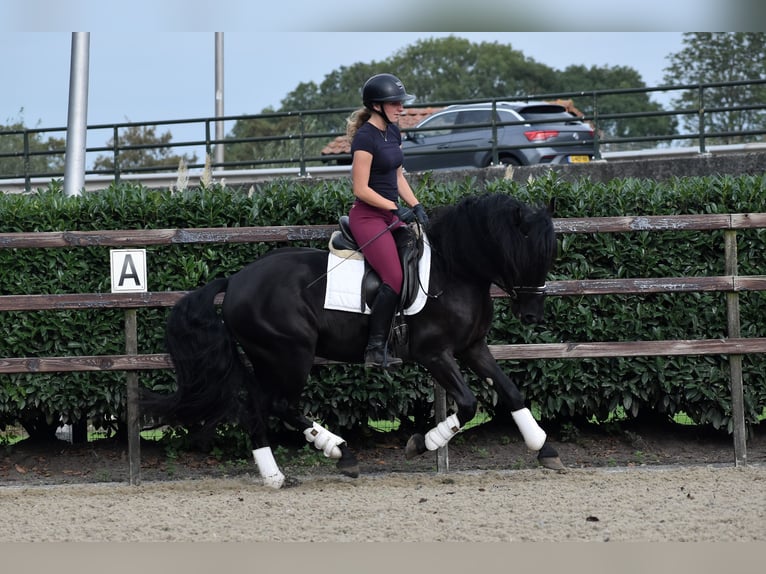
pixel 344 283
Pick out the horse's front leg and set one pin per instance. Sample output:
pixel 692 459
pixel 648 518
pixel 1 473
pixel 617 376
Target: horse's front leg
pixel 480 360
pixel 447 373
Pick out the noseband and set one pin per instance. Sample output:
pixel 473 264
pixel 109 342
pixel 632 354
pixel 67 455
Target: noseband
pixel 526 290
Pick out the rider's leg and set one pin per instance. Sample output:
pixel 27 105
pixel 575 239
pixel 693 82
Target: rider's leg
pixel 371 230
pixel 383 308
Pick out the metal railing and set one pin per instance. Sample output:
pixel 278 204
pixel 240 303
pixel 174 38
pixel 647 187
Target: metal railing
pixel 295 145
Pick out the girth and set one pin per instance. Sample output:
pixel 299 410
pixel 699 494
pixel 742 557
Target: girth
pixel 409 244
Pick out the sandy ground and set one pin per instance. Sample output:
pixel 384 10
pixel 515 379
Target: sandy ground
pixel 706 503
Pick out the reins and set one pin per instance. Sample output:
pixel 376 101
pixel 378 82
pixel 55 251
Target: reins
pixel 420 283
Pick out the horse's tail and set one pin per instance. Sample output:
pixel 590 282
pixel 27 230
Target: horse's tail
pixel 208 370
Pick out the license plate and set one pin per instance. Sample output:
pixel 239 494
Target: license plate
pixel 579 158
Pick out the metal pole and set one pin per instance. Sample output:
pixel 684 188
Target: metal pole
pixel 74 170
pixel 219 96
pixel 701 117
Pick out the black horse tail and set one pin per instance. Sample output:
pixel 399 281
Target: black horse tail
pixel 209 372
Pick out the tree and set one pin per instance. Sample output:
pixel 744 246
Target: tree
pixel 717 57
pixel 595 78
pixel 340 88
pixel 141 149
pixel 270 142
pixel 452 69
pixel 435 69
pixel 45 156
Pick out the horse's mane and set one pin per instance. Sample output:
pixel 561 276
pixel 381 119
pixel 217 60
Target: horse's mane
pixel 496 238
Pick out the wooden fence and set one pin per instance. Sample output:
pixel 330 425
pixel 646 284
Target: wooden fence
pixel 131 362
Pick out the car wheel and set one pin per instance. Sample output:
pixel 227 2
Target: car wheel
pixel 509 160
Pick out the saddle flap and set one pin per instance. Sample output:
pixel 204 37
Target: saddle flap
pixel 409 244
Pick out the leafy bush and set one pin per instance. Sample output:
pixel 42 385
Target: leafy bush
pixel 345 396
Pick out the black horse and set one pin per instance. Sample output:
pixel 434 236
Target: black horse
pixel 274 311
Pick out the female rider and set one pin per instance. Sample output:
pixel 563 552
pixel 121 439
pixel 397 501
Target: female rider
pixel 378 183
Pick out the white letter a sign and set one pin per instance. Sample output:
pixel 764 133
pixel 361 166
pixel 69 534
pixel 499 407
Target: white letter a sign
pixel 128 270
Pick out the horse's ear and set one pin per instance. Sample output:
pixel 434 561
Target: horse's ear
pixel 552 206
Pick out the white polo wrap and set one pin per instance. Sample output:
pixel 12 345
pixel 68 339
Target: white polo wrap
pixel 324 440
pixel 534 436
pixel 441 434
pixel 267 466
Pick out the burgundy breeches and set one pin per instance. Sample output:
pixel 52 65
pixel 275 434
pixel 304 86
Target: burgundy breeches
pixel 368 224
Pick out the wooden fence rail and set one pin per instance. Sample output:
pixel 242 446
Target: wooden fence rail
pixel 734 346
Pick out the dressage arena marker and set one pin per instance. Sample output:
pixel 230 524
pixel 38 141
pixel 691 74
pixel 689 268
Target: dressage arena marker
pixel 128 270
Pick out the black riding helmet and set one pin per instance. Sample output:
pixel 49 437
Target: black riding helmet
pixel 384 88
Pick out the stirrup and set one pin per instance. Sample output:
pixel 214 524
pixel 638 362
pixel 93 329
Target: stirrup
pixel 380 357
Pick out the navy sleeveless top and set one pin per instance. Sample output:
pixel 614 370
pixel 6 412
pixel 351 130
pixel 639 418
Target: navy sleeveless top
pixel 387 156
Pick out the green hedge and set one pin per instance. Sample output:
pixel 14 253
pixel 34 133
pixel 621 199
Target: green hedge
pixel 345 396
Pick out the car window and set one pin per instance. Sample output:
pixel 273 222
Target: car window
pixel 550 113
pixel 509 119
pixel 439 125
pixel 470 119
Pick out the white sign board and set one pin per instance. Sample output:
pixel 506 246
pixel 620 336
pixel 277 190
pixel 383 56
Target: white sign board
pixel 128 270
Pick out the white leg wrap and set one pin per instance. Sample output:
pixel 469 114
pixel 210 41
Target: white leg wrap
pixel 441 434
pixel 268 468
pixel 533 435
pixel 324 440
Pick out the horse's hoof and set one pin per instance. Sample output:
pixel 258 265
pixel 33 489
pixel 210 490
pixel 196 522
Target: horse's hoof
pixel 348 468
pixel 347 463
pixel 552 463
pixel 291 482
pixel 415 446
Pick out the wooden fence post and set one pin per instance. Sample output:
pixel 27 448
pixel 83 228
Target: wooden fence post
pixel 735 361
pixel 134 430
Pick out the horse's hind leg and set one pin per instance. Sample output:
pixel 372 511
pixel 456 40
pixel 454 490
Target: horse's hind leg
pixel 262 454
pixel 447 373
pixel 332 445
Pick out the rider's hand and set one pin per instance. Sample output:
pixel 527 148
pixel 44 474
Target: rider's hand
pixel 405 214
pixel 420 214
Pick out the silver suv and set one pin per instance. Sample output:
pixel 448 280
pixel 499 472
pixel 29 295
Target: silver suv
pixel 527 133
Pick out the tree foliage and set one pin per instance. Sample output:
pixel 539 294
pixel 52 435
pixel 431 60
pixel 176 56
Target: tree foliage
pixel 140 149
pixel 454 69
pixel 595 78
pixel 39 162
pixel 716 57
pixel 274 141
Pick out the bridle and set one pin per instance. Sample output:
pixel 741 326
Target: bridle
pixel 514 292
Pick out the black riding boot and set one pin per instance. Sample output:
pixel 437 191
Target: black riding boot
pixel 383 308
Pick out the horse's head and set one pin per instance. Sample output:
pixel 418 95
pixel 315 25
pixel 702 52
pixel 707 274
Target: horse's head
pixel 537 250
pixel 495 238
pixel 527 303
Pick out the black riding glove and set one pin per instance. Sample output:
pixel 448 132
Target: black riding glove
pixel 404 214
pixel 420 214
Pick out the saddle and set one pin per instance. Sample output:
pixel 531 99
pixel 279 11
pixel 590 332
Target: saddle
pixel 409 244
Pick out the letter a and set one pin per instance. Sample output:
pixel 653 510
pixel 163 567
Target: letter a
pixel 128 262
